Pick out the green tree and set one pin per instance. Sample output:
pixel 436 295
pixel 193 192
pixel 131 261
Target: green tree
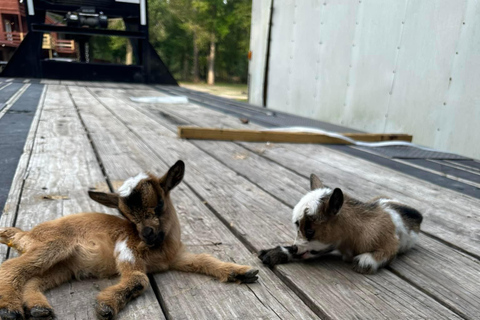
pixel 202 38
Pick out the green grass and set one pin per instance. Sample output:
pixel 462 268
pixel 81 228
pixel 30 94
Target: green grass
pixel 235 91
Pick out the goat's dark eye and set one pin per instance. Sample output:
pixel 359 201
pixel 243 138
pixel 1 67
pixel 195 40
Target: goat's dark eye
pixel 297 224
pixel 159 208
pixel 309 233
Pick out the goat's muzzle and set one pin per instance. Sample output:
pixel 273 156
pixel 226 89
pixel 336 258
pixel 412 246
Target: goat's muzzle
pixel 151 238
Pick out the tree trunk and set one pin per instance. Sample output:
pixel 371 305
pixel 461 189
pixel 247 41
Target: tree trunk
pixel 211 62
pixel 129 55
pixel 196 72
pixel 185 68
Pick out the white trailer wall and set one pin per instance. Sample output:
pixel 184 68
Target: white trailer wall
pixel 258 40
pixel 410 66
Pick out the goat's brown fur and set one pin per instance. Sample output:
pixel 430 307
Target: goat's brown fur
pixel 102 245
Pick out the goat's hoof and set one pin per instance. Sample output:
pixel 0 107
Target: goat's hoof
pixel 104 312
pixel 40 313
pixel 248 277
pixel 274 256
pixel 10 315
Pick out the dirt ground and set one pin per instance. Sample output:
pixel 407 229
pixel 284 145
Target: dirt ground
pixel 237 92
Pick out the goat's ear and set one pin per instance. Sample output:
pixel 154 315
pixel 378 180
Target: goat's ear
pixel 174 176
pixel 336 202
pixel 107 199
pixel 315 182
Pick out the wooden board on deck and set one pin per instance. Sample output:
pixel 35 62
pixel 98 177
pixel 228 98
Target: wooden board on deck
pixel 435 267
pixel 52 182
pixel 449 213
pixel 283 136
pixel 261 221
pixel 237 198
pixel 187 296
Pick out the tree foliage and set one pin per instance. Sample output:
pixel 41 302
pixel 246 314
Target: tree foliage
pixel 176 24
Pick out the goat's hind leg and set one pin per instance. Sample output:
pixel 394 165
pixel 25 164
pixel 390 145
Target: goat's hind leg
pixel 206 264
pixel 14 274
pixel 35 304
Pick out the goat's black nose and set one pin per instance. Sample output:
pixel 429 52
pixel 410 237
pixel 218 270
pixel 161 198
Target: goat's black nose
pixel 147 233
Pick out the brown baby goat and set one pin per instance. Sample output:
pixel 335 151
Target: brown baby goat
pixel 371 234
pixel 102 245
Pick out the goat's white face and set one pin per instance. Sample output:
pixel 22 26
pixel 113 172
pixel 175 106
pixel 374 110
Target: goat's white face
pixel 316 210
pixel 145 201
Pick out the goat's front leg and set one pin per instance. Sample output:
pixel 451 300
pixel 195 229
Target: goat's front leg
pixel 133 282
pixel 206 264
pixel 284 254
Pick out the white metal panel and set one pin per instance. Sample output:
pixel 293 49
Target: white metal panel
pixel 280 51
pixel 258 47
pixel 379 30
pixel 30 7
pixel 304 58
pixel 425 59
pixel 143 12
pixel 382 66
pixel 460 130
pixel 129 1
pixel 337 35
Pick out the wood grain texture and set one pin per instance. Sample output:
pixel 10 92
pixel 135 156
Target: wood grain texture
pixel 188 296
pixel 282 136
pixel 61 169
pixel 436 268
pixel 449 215
pixel 261 221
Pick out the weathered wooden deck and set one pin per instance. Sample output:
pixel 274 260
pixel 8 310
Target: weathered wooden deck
pixel 236 199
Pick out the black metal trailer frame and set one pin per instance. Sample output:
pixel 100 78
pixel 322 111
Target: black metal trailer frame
pixel 27 61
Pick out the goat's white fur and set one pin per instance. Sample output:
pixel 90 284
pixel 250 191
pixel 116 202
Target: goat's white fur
pixel 314 245
pixel 407 238
pixel 123 252
pixel 310 201
pixel 127 187
pixel 366 260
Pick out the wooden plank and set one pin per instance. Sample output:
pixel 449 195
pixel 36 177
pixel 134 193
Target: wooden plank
pixel 433 266
pixel 448 213
pixel 190 296
pixel 62 165
pixel 330 288
pixel 283 136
